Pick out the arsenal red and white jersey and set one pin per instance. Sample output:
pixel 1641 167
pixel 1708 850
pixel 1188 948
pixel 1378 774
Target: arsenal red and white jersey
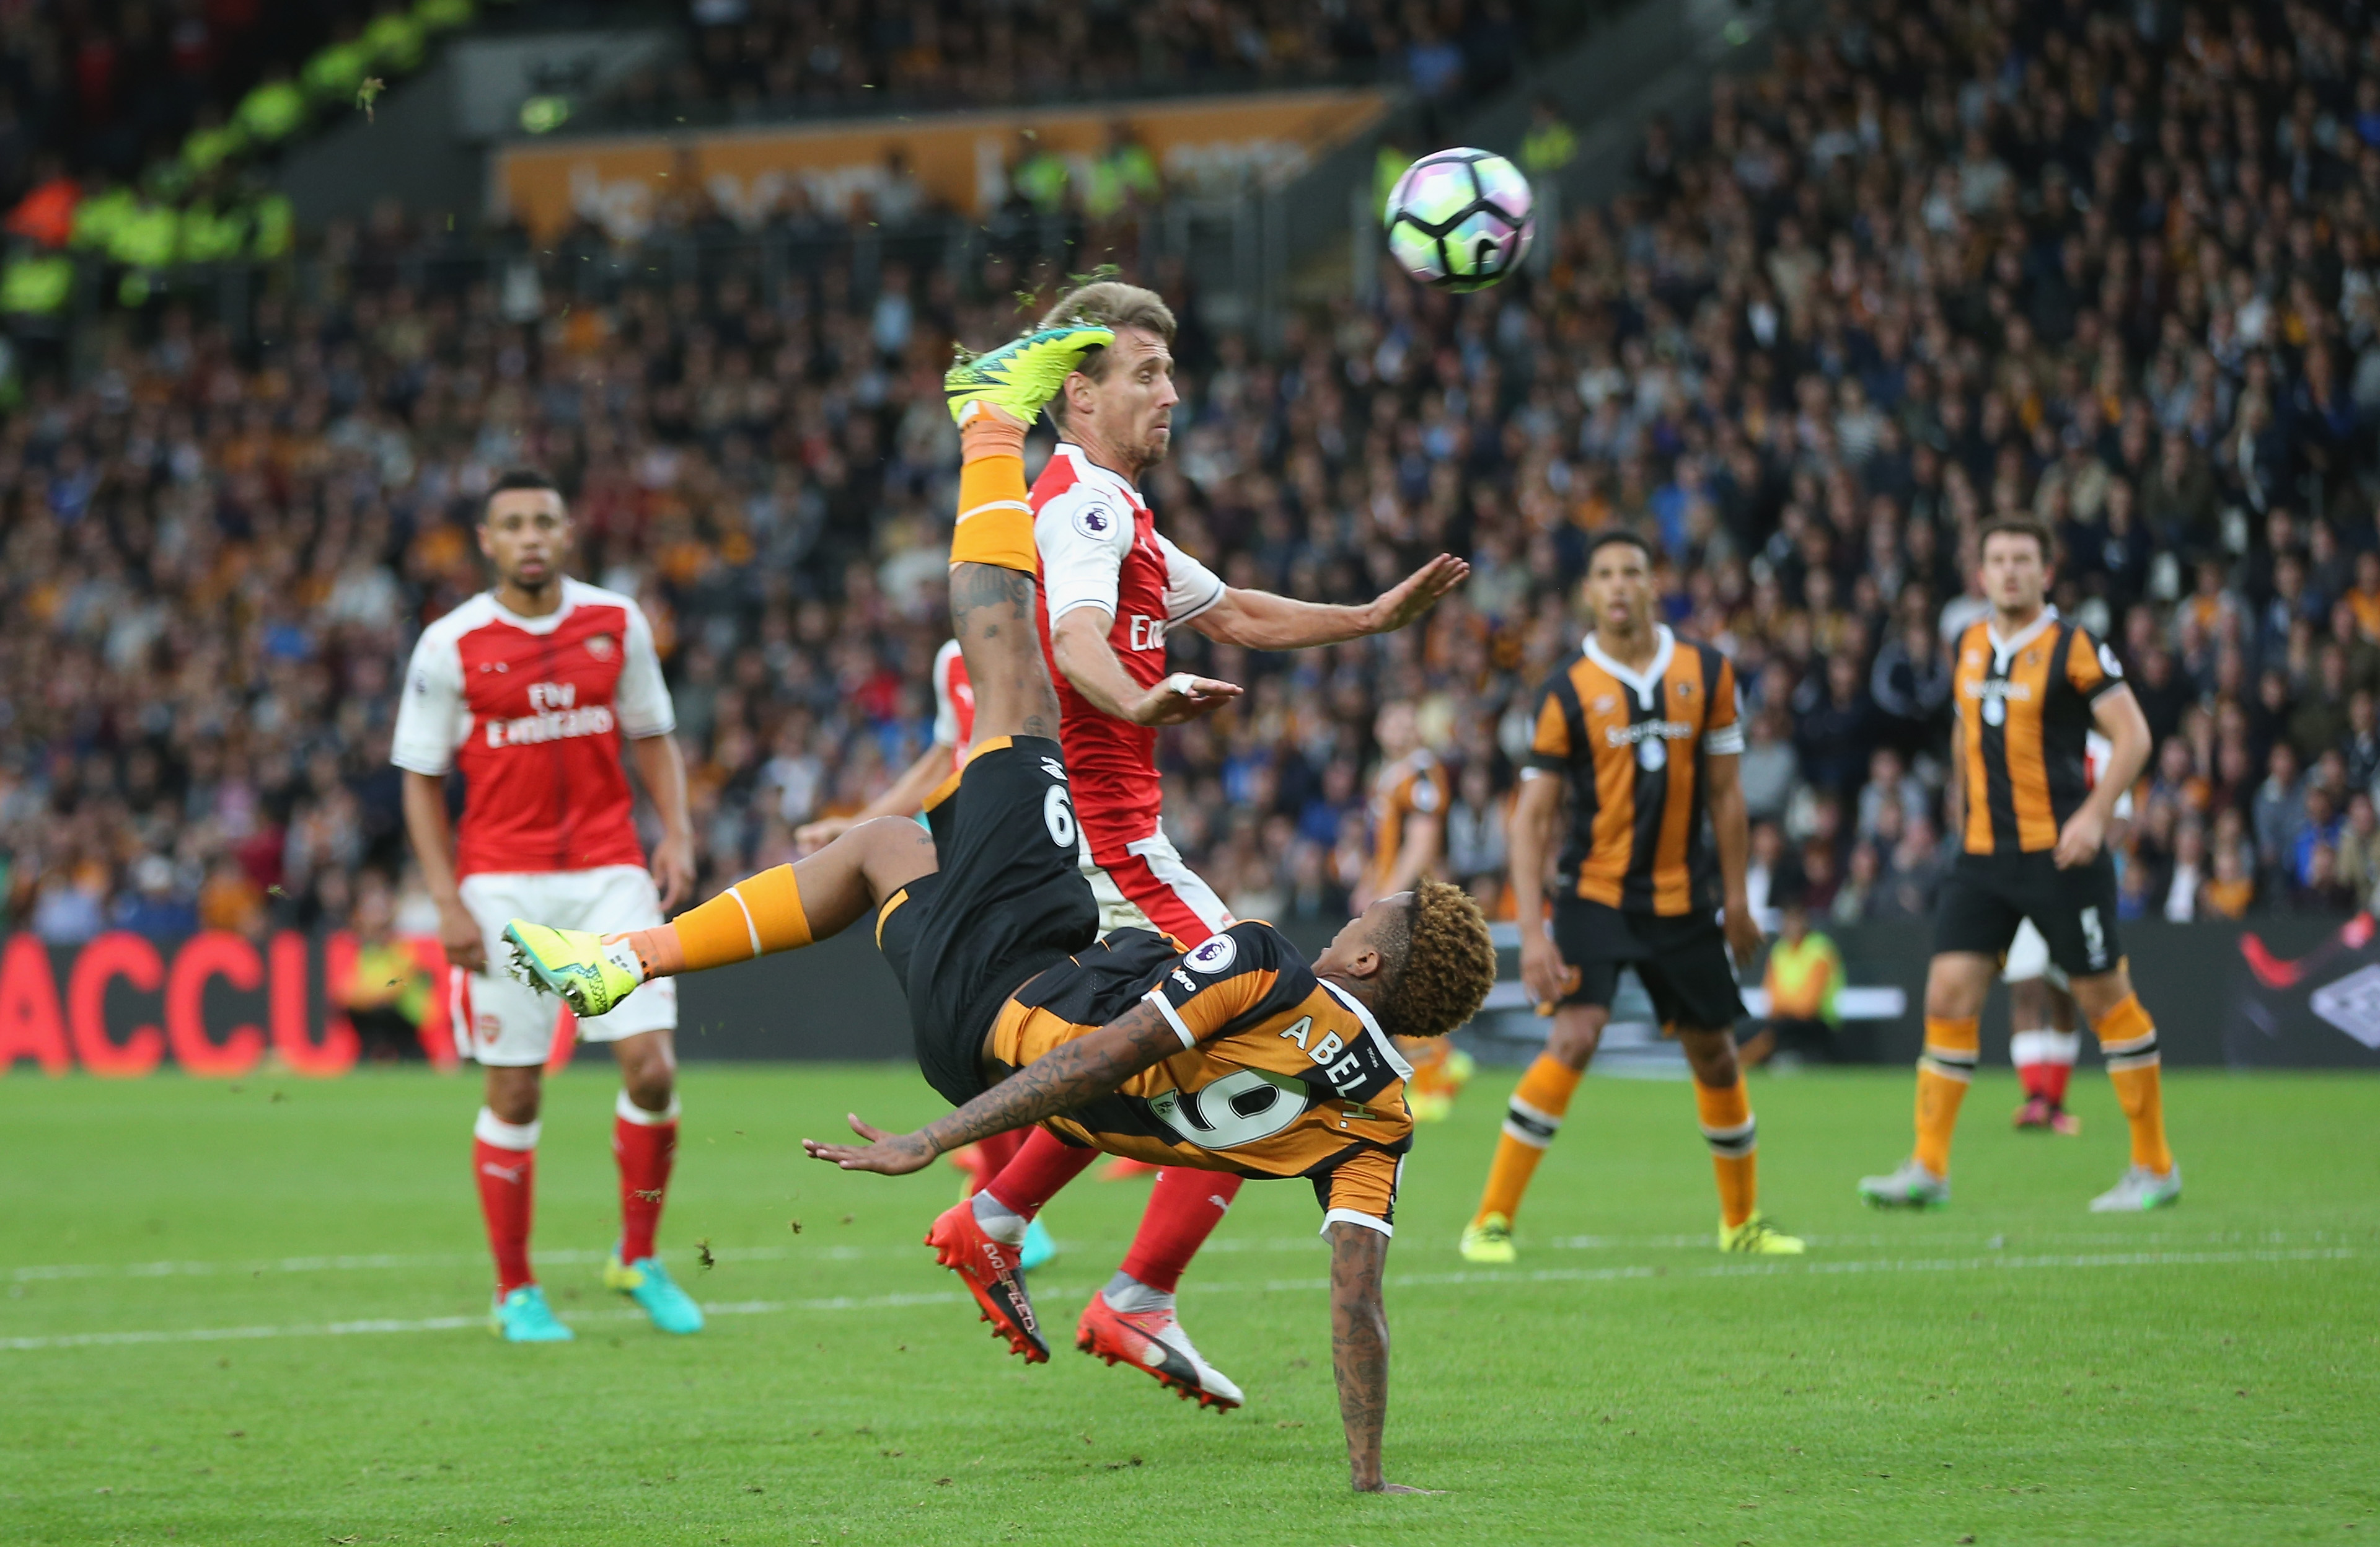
pixel 954 703
pixel 1099 548
pixel 530 711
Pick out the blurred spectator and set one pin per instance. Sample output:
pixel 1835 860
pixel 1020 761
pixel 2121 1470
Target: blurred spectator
pixel 1804 976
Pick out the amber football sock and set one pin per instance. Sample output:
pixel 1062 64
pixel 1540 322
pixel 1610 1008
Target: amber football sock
pixel 1531 1120
pixel 756 917
pixel 995 521
pixel 1944 1071
pixel 2128 1039
pixel 1733 1136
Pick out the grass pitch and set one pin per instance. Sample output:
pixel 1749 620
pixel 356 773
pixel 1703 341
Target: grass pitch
pixel 251 1313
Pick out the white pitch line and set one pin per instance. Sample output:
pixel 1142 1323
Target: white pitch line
pixel 2000 1263
pixel 1241 1244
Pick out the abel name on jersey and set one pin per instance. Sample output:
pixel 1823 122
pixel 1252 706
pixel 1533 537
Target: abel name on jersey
pixel 1356 1070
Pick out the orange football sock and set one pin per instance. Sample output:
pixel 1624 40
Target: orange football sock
pixel 1531 1120
pixel 2128 1037
pixel 1735 1139
pixel 1944 1071
pixel 758 915
pixel 1428 1055
pixel 995 523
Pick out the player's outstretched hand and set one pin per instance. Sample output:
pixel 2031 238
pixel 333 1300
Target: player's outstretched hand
pixel 887 1154
pixel 1181 699
pixel 1417 592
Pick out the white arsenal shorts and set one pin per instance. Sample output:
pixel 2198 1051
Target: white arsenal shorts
pixel 1148 885
pixel 501 1021
pixel 2028 958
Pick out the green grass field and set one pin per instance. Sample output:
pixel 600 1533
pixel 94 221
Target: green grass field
pixel 187 1265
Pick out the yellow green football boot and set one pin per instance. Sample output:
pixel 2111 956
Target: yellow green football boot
pixel 1019 378
pixel 1757 1237
pixel 1489 1240
pixel 575 964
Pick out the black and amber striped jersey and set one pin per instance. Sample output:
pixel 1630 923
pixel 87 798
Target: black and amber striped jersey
pixel 1281 1072
pixel 1633 746
pixel 2024 709
pixel 1415 784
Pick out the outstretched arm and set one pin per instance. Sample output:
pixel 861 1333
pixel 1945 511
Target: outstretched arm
pixel 1060 1080
pixel 1359 1350
pixel 1260 620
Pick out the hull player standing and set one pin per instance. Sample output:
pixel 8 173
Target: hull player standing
pixel 1111 587
pixel 526 691
pixel 1234 1057
pixel 2028 688
pixel 1643 729
pixel 2042 1041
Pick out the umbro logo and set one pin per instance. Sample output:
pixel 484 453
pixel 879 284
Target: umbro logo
pixel 1055 769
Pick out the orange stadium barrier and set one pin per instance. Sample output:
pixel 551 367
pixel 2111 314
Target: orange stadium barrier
pixel 955 160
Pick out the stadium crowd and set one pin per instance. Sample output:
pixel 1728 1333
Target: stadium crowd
pixel 755 58
pixel 2116 267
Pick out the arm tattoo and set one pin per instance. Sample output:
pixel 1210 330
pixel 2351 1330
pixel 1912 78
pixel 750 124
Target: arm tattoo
pixel 1064 1077
pixel 1359 1344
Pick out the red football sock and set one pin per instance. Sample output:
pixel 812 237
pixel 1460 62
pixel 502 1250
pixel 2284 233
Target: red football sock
pixel 644 1143
pixel 995 1154
pixel 504 1162
pixel 1184 1208
pixel 1044 1165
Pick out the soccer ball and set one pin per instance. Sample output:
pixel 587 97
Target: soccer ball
pixel 1460 219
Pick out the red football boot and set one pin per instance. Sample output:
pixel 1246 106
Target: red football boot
pixel 1154 1343
pixel 988 1270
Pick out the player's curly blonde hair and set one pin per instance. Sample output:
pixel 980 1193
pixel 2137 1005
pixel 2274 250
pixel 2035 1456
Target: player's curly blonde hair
pixel 1441 961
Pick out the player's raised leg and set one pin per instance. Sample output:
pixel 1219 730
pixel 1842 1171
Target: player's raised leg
pixel 2128 1040
pixel 783 909
pixel 1956 983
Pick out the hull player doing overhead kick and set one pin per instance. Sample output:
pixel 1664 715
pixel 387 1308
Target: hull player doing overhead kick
pixel 2029 688
pixel 1237 1056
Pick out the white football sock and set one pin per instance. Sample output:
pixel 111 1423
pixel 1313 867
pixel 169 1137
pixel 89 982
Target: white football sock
pixel 1128 1294
pixel 999 1221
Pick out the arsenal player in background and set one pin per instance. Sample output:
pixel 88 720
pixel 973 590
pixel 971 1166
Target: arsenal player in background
pixel 526 692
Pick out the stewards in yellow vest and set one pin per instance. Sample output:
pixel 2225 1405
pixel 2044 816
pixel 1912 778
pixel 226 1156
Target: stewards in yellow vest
pixel 1550 144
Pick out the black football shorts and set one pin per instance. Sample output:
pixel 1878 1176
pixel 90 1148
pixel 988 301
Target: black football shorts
pixel 1682 961
pixel 1009 900
pixel 1987 895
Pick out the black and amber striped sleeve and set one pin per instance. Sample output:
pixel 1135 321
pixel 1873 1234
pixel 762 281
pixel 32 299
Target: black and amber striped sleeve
pixel 1723 721
pixel 2092 668
pixel 1551 748
pixel 1245 975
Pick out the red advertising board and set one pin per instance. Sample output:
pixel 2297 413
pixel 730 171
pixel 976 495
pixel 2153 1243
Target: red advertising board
pixel 216 1005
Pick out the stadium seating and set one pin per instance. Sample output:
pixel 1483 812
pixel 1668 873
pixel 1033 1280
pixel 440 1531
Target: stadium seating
pixel 1909 274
